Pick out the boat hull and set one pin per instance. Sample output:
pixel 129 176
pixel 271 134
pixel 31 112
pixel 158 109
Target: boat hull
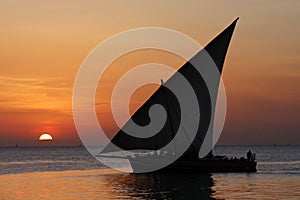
pixel 209 166
pixel 213 166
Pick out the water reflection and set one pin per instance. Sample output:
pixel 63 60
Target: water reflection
pixel 161 185
pixel 110 184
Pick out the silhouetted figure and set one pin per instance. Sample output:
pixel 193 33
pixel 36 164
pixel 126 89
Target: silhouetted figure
pixel 249 155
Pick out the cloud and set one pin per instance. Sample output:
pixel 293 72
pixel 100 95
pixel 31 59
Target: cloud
pixel 34 93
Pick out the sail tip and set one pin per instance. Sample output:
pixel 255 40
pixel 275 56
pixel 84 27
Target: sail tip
pixel 235 21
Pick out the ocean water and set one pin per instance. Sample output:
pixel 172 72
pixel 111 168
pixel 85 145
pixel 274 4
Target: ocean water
pixel 72 173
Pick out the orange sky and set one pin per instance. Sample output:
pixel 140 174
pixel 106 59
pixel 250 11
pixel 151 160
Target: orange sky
pixel 42 45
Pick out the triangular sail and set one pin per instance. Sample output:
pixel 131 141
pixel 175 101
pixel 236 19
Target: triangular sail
pixel 217 49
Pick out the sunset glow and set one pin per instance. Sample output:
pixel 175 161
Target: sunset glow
pixel 44 43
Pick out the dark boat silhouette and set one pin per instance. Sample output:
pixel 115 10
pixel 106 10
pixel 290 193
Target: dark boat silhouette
pixel 189 160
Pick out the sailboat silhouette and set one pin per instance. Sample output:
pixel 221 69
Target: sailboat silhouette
pixel 189 160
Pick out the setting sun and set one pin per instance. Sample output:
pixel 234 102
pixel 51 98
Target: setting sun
pixel 45 137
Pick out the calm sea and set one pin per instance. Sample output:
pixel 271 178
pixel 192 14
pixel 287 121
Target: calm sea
pixel 72 173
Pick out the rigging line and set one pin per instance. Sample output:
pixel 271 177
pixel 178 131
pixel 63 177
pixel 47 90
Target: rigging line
pixel 168 115
pixel 184 129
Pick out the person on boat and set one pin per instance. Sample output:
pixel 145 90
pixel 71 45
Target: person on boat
pixel 249 155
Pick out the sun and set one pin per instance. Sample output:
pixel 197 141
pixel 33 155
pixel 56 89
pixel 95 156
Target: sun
pixel 45 137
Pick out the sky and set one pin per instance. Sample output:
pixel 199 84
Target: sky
pixel 43 44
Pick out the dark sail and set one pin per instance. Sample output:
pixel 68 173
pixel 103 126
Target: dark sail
pixel 217 49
